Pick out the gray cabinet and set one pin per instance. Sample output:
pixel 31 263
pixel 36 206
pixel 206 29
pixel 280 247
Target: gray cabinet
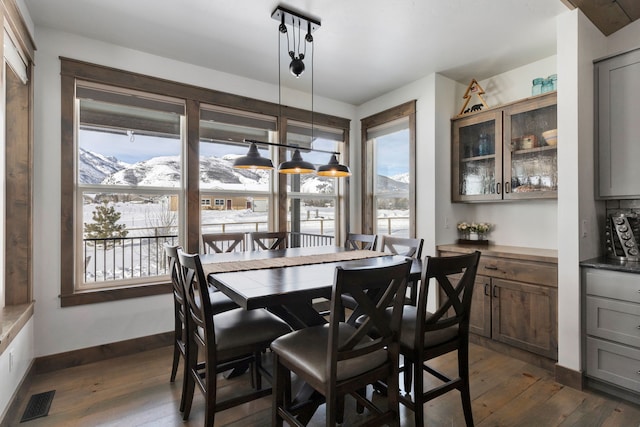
pixel 617 126
pixel 612 327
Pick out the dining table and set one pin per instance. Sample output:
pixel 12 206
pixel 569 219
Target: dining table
pixel 287 281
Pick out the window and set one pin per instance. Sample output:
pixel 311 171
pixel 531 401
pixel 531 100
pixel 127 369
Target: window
pixel 242 196
pixel 146 161
pixel 314 201
pixel 389 172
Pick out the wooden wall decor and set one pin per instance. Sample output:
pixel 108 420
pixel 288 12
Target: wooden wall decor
pixel 474 89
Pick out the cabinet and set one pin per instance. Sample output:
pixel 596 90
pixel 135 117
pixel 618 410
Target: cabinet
pixel 611 320
pixel 617 126
pixel 507 152
pixel 515 298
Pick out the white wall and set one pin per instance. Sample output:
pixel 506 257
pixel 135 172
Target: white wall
pixel 21 353
pixel 62 329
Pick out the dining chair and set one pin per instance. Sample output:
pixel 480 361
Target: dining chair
pixel 428 335
pixel 219 304
pixel 337 359
pixel 357 241
pixel 225 341
pixel 222 242
pixel 406 246
pixel 268 240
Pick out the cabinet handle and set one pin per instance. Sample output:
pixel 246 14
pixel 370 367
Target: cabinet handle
pixel 487 291
pixel 495 292
pixel 491 267
pixel 498 188
pixel 507 187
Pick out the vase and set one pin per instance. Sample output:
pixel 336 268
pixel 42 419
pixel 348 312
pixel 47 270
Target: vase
pixel 474 236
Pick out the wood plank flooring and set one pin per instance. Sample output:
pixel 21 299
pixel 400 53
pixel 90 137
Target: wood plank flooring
pixel 135 391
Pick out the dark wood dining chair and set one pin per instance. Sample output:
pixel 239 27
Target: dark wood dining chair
pixel 222 242
pixel 357 241
pixel 339 359
pixel 406 246
pixel 219 304
pixel 224 341
pixel 428 335
pixel 268 240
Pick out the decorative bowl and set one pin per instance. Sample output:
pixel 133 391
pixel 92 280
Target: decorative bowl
pixel 550 136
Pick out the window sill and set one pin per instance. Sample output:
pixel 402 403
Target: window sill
pixel 105 295
pixel 12 320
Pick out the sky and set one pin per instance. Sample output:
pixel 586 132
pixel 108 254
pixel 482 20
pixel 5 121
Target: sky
pixel 392 149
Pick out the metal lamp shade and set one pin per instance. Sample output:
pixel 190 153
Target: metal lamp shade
pixel 334 169
pixel 253 160
pixel 296 165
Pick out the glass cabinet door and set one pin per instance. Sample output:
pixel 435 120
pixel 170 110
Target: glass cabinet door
pixel 477 157
pixel 530 153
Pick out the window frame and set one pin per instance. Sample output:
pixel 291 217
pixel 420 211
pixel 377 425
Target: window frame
pixel 406 110
pixel 194 97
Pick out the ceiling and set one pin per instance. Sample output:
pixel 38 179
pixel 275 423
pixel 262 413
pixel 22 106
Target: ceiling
pixel 363 49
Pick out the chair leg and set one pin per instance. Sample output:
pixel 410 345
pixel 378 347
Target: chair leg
pixel 359 406
pixel 465 394
pixel 278 392
pixel 191 364
pixel 176 361
pixel 418 394
pixel 256 367
pixel 340 409
pixel 210 396
pixel 332 406
pixel 393 392
pixel 408 374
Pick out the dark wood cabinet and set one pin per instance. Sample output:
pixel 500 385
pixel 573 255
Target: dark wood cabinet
pixel 515 298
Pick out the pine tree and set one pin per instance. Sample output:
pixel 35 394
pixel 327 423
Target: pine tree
pixel 105 224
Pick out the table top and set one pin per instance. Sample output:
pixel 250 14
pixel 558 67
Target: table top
pixel 267 287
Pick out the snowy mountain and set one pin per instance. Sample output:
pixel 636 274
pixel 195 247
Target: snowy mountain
pixel 403 177
pixel 95 167
pixel 215 173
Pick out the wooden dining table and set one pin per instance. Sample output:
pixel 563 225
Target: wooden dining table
pixel 289 283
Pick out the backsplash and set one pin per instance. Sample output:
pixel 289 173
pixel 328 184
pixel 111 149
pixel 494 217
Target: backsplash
pixel 626 206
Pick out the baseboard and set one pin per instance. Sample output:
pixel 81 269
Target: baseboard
pixel 98 353
pixel 19 396
pixel 569 377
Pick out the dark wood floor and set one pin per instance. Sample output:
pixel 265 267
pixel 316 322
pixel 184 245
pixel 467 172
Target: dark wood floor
pixel 135 391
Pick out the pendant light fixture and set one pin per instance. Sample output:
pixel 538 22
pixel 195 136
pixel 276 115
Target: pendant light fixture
pixel 296 165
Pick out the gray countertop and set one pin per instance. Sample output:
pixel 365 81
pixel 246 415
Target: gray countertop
pixel 612 264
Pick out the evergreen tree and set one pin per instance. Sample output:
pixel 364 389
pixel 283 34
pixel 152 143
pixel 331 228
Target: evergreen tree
pixel 105 223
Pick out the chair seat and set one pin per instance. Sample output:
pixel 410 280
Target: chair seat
pixel 431 338
pixel 307 350
pixel 241 329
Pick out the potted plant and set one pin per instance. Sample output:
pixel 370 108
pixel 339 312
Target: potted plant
pixel 475 232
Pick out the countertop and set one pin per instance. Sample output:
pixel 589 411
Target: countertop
pixel 605 263
pixel 513 252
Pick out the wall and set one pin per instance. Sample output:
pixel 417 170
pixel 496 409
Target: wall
pixel 22 354
pixel 64 329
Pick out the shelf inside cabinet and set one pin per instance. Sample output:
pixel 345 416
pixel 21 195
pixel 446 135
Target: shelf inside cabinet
pixel 534 150
pixel 477 158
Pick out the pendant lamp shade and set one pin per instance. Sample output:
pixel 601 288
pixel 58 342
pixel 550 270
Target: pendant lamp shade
pixel 253 160
pixel 334 169
pixel 296 165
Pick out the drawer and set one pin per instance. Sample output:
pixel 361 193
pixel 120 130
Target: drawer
pixel 613 320
pixel 615 363
pixel 523 271
pixel 613 284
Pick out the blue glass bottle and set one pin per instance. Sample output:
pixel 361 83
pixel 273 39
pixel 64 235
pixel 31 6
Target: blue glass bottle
pixel 536 89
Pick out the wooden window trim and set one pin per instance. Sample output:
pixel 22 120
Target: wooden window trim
pixel 72 70
pixel 408 109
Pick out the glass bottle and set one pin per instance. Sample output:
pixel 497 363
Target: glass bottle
pixel 547 85
pixel 536 89
pixel 553 79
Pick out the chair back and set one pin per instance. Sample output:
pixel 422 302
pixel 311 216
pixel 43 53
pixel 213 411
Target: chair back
pixel 361 241
pixel 405 246
pixel 374 290
pixel 268 240
pixel 200 313
pixel 222 242
pixel 176 279
pixel 455 309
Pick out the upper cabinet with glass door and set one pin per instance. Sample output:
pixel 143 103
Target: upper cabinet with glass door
pixel 507 152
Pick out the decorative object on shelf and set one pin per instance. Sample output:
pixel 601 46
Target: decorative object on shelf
pixel 550 136
pixel 528 141
pixel 536 87
pixel 296 165
pixel 474 233
pixel 473 89
pixel 540 85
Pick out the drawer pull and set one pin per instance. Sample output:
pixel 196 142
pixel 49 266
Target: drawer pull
pixel 493 267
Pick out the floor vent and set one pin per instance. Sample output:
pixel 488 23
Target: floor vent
pixel 38 406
